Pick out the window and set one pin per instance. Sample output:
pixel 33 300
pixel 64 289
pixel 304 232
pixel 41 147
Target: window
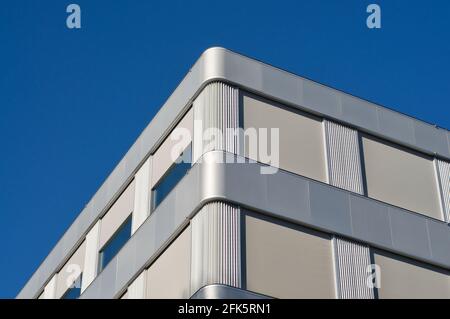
pixel 287 261
pixel 75 290
pixel 406 278
pixel 401 177
pixel 169 275
pixel 300 143
pixel 113 246
pixel 173 175
pixel 70 274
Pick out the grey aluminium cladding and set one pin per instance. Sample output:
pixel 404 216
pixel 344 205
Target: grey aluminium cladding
pixel 262 79
pixel 283 195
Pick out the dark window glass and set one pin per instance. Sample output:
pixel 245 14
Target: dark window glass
pixel 174 174
pixel 115 244
pixel 75 291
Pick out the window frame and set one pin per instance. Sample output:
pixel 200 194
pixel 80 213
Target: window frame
pixel 179 161
pixel 101 264
pixel 76 285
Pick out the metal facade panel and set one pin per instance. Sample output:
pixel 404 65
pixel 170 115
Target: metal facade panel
pixel 216 246
pixel 352 262
pixel 126 265
pixel 448 142
pixel 397 126
pixel 344 162
pixel 409 233
pixel 430 136
pixel 322 101
pixel 225 292
pixel 371 221
pixel 359 112
pixel 294 197
pixel 444 181
pixel 439 237
pixel 216 108
pixel 329 209
pixel 108 279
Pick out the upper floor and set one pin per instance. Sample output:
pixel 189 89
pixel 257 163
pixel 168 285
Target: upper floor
pixel 276 119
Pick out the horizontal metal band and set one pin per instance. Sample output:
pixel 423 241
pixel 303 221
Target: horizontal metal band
pixel 225 292
pixel 301 200
pixel 283 195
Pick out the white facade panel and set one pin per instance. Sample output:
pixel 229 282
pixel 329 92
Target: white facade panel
pixel 91 256
pixel 141 208
pixel 117 214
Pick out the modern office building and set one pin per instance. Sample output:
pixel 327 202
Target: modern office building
pixel 358 207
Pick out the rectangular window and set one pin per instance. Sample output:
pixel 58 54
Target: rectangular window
pixel 162 159
pixel 401 177
pixel 112 247
pixel 300 142
pixel 287 261
pixel 70 271
pixel 404 278
pixel 75 290
pixel 169 276
pixel 173 175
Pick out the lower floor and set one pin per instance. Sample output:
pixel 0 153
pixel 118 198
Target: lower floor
pixel 263 256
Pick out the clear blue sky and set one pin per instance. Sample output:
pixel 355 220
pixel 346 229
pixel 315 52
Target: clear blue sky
pixel 73 101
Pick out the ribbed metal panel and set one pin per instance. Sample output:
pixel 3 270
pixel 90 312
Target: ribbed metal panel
pixel 216 107
pixel 444 181
pixel 216 248
pixel 344 162
pixel 352 260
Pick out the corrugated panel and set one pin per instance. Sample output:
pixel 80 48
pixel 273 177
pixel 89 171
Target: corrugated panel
pixel 352 259
pixel 216 249
pixel 344 162
pixel 217 107
pixel 444 180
